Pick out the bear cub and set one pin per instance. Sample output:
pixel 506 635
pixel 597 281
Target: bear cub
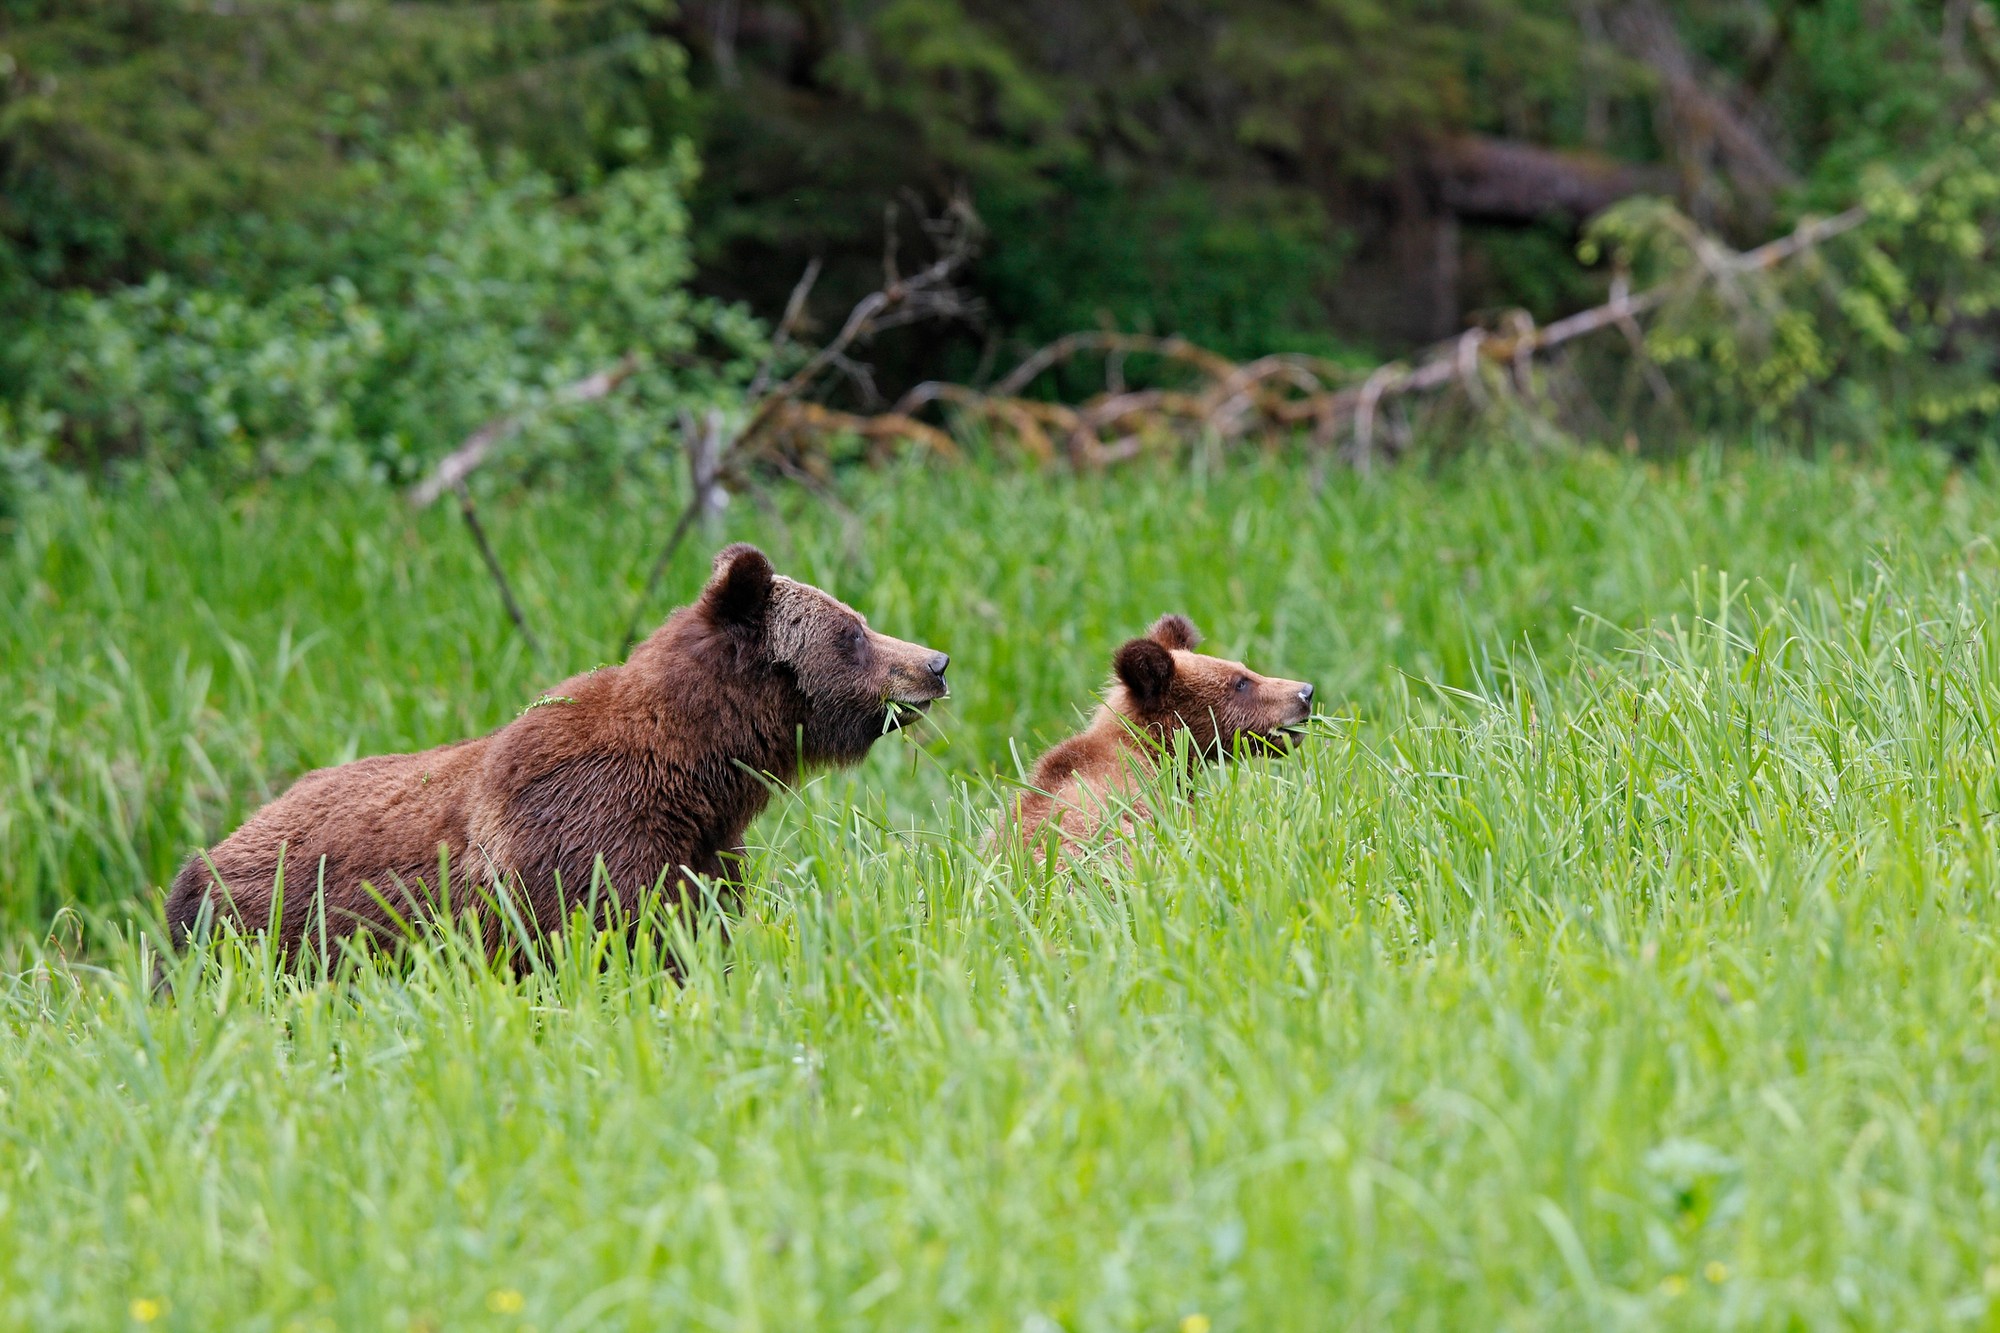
pixel 1161 688
pixel 658 766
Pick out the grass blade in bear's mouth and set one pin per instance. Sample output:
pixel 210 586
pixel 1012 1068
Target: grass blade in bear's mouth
pixel 901 712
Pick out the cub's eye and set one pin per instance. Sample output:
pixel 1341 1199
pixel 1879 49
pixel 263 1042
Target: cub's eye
pixel 1242 684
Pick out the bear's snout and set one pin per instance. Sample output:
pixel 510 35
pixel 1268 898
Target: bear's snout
pixel 915 672
pixel 1291 709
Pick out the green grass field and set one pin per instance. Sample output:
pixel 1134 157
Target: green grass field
pixel 1624 956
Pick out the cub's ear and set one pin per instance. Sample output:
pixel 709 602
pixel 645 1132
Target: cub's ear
pixel 1174 631
pixel 740 588
pixel 1144 668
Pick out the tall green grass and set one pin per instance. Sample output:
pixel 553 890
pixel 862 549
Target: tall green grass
pixel 1625 955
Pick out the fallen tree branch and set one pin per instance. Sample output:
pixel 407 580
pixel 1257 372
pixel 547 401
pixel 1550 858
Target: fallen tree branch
pixel 1282 392
pixel 1073 344
pixel 1268 398
pixel 1698 123
pixel 463 461
pixel 781 415
pixel 794 316
pixel 682 526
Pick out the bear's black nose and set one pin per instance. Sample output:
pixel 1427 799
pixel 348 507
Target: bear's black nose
pixel 1306 693
pixel 937 664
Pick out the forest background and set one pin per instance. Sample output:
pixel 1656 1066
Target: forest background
pixel 269 238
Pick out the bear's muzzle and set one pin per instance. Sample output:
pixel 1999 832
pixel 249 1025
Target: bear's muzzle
pixel 915 678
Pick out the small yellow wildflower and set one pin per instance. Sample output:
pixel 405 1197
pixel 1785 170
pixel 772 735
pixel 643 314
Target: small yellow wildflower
pixel 506 1301
pixel 1195 1323
pixel 1673 1284
pixel 146 1309
pixel 1715 1271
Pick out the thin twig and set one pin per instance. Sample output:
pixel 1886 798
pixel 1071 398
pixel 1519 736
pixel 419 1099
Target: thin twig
pixel 795 309
pixel 682 527
pixel 1635 338
pixel 925 294
pixel 471 514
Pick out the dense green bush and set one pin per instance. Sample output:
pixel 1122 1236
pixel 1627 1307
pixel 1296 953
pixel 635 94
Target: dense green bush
pixel 1886 327
pixel 129 127
pixel 450 288
pixel 1240 275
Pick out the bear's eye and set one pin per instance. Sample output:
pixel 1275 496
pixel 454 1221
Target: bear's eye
pixel 1242 684
pixel 855 638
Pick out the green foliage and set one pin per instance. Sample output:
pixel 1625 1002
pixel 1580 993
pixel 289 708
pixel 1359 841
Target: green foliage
pixel 1889 324
pixel 128 128
pixel 1259 175
pixel 27 436
pixel 1090 135
pixel 1624 968
pixel 1176 169
pixel 1871 85
pixel 449 291
pixel 953 76
pixel 1526 268
pixel 1243 277
pixel 1345 82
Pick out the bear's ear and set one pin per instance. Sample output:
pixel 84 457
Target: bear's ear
pixel 1145 669
pixel 740 587
pixel 1175 631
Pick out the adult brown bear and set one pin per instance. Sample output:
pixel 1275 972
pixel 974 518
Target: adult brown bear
pixel 657 766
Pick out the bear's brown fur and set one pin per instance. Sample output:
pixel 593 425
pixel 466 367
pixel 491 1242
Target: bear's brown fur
pixel 658 766
pixel 1161 687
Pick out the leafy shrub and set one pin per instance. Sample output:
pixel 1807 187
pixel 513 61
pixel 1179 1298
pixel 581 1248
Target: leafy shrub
pixel 451 289
pixel 25 439
pixel 1886 327
pixel 1243 275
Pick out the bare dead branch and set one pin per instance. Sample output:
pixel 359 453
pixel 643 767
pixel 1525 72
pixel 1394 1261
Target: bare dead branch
pixel 514 613
pixel 682 526
pixel 1098 340
pixel 1699 123
pixel 461 462
pixel 925 289
pixel 1377 384
pixel 782 410
pixel 1283 392
pixel 1466 363
pixel 788 326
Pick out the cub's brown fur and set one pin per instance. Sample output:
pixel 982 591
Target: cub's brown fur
pixel 658 766
pixel 1161 687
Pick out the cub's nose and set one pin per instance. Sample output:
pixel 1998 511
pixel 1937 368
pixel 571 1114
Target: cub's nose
pixel 1306 693
pixel 937 664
